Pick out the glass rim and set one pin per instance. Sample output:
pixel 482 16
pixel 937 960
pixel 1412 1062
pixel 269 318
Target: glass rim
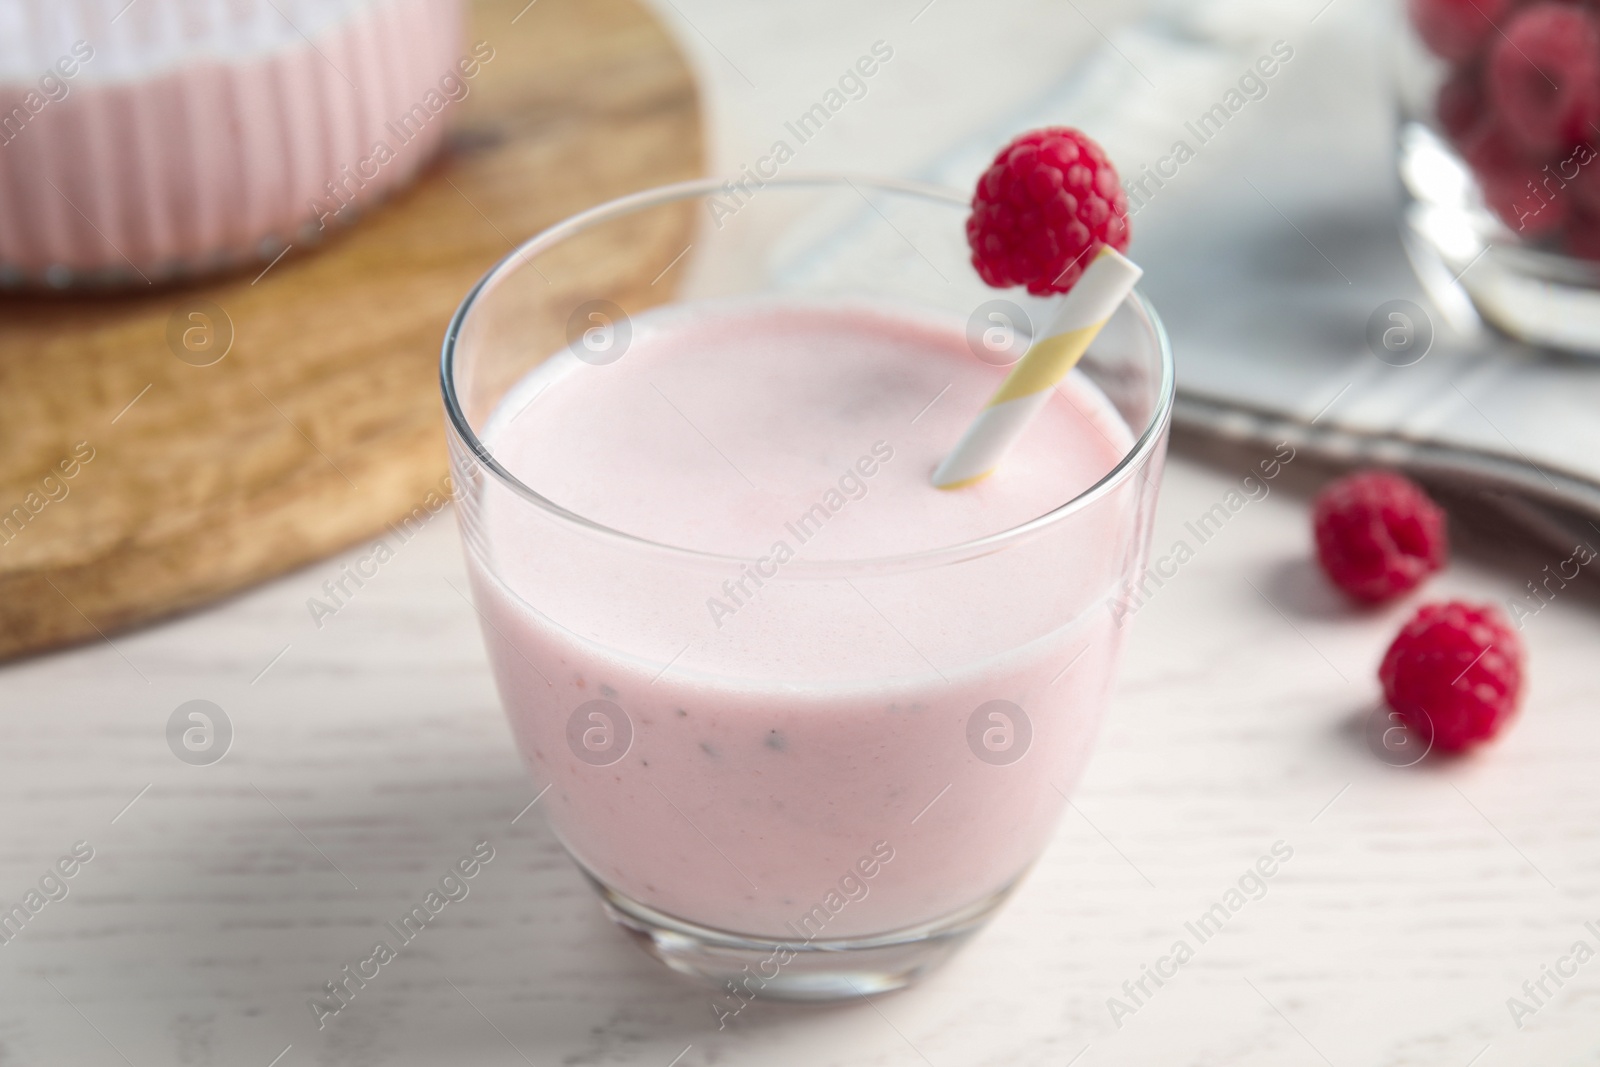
pixel 1131 460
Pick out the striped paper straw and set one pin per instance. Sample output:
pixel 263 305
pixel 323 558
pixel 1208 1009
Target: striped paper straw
pixel 1082 312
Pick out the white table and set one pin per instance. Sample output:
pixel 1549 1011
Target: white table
pixel 370 754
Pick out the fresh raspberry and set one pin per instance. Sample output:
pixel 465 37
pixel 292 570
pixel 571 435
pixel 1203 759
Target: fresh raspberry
pixel 1493 152
pixel 1544 75
pixel 1378 534
pixel 1526 206
pixel 1049 200
pixel 1461 106
pixel 1585 183
pixel 1513 182
pixel 1583 236
pixel 1454 674
pixel 1458 30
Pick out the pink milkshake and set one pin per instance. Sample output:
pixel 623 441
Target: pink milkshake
pixel 783 729
pixel 802 717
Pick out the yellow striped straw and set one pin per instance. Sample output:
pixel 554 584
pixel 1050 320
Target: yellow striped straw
pixel 1086 308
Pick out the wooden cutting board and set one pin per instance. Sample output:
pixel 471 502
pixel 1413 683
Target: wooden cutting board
pixel 149 484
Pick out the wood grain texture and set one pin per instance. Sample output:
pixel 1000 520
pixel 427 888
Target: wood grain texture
pixel 322 422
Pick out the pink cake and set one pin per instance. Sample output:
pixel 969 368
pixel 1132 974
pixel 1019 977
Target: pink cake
pixel 172 137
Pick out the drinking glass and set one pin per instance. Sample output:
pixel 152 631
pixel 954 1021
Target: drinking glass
pixel 825 797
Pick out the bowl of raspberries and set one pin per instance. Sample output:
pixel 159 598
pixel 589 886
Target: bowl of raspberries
pixel 1500 157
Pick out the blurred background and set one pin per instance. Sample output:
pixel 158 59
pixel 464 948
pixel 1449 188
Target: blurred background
pixel 216 403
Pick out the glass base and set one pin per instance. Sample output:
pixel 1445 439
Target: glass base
pixel 743 968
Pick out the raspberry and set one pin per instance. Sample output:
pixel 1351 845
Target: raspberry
pixel 1585 184
pixel 1457 30
pixel 1544 75
pixel 1583 237
pixel 1512 182
pixel 1461 106
pixel 1049 200
pixel 1494 152
pixel 1523 209
pixel 1378 534
pixel 1454 674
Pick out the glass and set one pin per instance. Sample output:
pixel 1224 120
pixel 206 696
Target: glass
pixel 839 818
pixel 1493 224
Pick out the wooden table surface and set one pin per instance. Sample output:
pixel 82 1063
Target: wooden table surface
pixel 369 754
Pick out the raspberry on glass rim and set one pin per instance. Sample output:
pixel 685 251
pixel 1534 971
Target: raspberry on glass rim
pixel 1050 214
pixel 1048 202
pixel 1454 674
